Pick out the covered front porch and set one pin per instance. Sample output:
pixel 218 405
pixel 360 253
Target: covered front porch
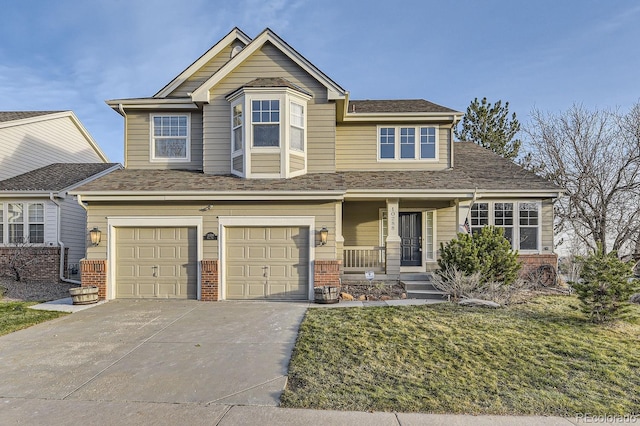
pixel 391 236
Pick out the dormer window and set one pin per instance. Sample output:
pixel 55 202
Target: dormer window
pixel 407 143
pixel 265 117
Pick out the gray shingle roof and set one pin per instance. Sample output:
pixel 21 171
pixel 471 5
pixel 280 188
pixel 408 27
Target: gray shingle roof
pixel 19 115
pixel 475 167
pixel 53 177
pixel 395 105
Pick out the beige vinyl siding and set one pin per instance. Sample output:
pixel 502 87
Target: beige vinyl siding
pixel 324 216
pixel 446 225
pixel 296 163
pixel 73 228
pixel 547 225
pixel 33 145
pixel 266 62
pixel 203 73
pixel 357 149
pixel 138 155
pixel 238 163
pixel 360 225
pixel 321 138
pixel 265 163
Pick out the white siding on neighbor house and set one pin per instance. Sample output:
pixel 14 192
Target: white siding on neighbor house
pixel 73 232
pixel 37 144
pixel 266 62
pixel 138 154
pixel 357 149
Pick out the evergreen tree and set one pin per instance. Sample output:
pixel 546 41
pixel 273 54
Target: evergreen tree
pixel 490 126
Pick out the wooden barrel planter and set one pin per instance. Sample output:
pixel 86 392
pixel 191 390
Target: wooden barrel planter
pixel 84 295
pixel 326 294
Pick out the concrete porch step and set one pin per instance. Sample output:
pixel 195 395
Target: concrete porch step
pixel 418 285
pixel 415 276
pixel 426 294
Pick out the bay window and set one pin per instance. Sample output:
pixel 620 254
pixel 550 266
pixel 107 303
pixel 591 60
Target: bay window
pixel 296 131
pixel 265 117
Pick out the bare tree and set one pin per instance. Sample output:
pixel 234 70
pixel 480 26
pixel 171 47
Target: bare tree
pixel 595 157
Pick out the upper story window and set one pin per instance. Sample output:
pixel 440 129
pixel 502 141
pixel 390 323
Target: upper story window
pixel 22 223
pixel 265 117
pixel 296 122
pixel 170 137
pixel 519 220
pixel 237 127
pixel 415 143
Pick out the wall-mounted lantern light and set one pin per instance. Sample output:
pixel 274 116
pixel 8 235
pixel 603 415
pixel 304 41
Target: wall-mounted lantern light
pixel 210 236
pixel 324 233
pixel 96 236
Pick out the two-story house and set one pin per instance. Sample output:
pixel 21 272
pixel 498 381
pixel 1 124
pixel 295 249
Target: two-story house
pixel 43 156
pixel 253 175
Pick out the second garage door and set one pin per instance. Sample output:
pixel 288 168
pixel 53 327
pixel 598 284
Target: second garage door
pixel 267 263
pixel 156 263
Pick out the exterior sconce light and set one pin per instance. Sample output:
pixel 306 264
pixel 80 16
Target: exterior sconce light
pixel 324 233
pixel 96 236
pixel 210 236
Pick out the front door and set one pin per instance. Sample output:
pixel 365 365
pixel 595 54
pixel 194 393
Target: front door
pixel 411 239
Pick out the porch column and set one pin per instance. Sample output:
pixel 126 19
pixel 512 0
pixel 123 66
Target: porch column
pixel 393 238
pixel 339 236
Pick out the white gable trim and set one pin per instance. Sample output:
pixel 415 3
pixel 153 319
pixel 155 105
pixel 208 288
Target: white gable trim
pixel 334 91
pixel 235 34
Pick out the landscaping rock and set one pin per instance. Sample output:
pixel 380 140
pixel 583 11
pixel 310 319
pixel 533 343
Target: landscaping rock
pixel 403 296
pixel 385 298
pixel 479 303
pixel 362 297
pixel 635 298
pixel 346 296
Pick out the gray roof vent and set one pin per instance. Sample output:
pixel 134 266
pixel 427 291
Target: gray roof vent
pixel 235 50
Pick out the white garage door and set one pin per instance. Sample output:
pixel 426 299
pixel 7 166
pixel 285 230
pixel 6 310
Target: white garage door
pixel 156 263
pixel 267 263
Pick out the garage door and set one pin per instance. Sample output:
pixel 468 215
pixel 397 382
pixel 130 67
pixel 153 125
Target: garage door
pixel 156 262
pixel 267 263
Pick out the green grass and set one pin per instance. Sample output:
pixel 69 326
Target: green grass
pixel 537 358
pixel 15 316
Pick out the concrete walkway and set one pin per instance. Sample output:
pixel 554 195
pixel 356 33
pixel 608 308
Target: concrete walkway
pixel 175 362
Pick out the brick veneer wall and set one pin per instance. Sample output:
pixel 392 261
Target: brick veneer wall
pixel 326 272
pixel 209 280
pixel 42 263
pixel 531 262
pixel 94 272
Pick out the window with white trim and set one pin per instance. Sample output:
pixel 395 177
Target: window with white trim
pixel 170 137
pixel 296 131
pixel 237 127
pixel 519 220
pixel 265 117
pixel 415 143
pixel 22 223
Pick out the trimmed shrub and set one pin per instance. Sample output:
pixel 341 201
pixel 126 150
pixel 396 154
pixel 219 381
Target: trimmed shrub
pixel 605 285
pixel 487 252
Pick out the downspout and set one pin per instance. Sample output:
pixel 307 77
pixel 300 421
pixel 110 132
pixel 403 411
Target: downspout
pixel 60 243
pixel 124 114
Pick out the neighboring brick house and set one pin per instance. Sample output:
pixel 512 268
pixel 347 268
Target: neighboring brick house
pixel 253 175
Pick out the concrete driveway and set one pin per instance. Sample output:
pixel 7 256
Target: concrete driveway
pixel 228 353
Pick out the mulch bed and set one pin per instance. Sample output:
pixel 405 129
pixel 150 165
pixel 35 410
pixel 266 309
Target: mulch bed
pixel 378 290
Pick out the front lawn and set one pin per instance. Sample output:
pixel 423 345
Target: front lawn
pixel 537 358
pixel 16 316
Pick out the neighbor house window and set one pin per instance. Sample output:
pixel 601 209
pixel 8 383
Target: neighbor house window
pixel 36 223
pixel 1 223
pixel 416 143
pixel 265 117
pixel 237 127
pixel 296 131
pixel 519 220
pixel 15 220
pixel 170 137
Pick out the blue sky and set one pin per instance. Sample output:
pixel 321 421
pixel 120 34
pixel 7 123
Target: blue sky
pixel 75 54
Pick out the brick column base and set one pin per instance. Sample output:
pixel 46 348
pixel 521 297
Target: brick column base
pixel 209 280
pixel 94 272
pixel 326 272
pixel 531 262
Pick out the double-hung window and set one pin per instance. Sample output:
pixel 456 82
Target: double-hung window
pixel 22 223
pixel 415 143
pixel 237 127
pixel 519 220
pixel 15 221
pixel 36 223
pixel 296 131
pixel 265 117
pixel 170 139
